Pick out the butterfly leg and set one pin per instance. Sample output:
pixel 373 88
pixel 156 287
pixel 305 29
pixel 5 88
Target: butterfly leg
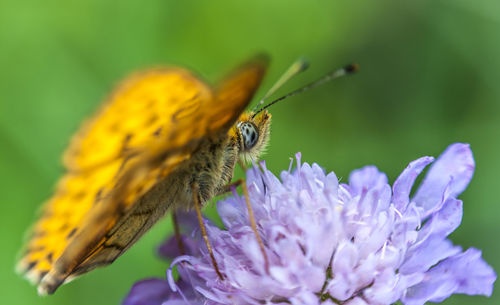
pixel 241 182
pixel 195 188
pixel 178 237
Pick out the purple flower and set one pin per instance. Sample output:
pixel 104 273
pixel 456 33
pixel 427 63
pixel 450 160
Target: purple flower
pixel 329 243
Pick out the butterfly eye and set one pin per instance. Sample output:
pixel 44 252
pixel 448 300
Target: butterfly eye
pixel 249 133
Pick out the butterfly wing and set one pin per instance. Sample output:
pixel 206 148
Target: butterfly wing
pixel 140 109
pixel 101 152
pixel 110 196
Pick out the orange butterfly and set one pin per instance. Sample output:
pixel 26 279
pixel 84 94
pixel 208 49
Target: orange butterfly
pixel 163 135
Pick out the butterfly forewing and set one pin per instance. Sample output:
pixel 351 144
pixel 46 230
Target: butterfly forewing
pixel 139 111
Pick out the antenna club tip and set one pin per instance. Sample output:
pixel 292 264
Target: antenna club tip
pixel 351 68
pixel 304 63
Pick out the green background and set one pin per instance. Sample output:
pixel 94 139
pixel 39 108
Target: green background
pixel 429 77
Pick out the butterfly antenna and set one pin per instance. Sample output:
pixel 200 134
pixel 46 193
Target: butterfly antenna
pixel 298 66
pixel 349 69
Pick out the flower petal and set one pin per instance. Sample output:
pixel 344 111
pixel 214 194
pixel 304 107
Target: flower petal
pixel 152 291
pixel 170 248
pixel 464 273
pixel 402 186
pixel 444 221
pixel 451 172
pixel 368 177
pixel 427 254
pixel 356 301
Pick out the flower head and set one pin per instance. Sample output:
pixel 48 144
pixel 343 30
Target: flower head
pixel 364 242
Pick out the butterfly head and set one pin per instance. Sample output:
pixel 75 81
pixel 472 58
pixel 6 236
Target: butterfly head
pixel 251 134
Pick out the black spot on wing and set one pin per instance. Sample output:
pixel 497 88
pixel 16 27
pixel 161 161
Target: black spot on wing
pixel 79 195
pixel 71 233
pixel 157 132
pixel 50 257
pixel 98 195
pixel 43 274
pixel 31 265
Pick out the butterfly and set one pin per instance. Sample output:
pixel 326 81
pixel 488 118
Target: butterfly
pixel 161 132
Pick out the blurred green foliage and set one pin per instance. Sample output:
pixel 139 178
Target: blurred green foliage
pixel 429 77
